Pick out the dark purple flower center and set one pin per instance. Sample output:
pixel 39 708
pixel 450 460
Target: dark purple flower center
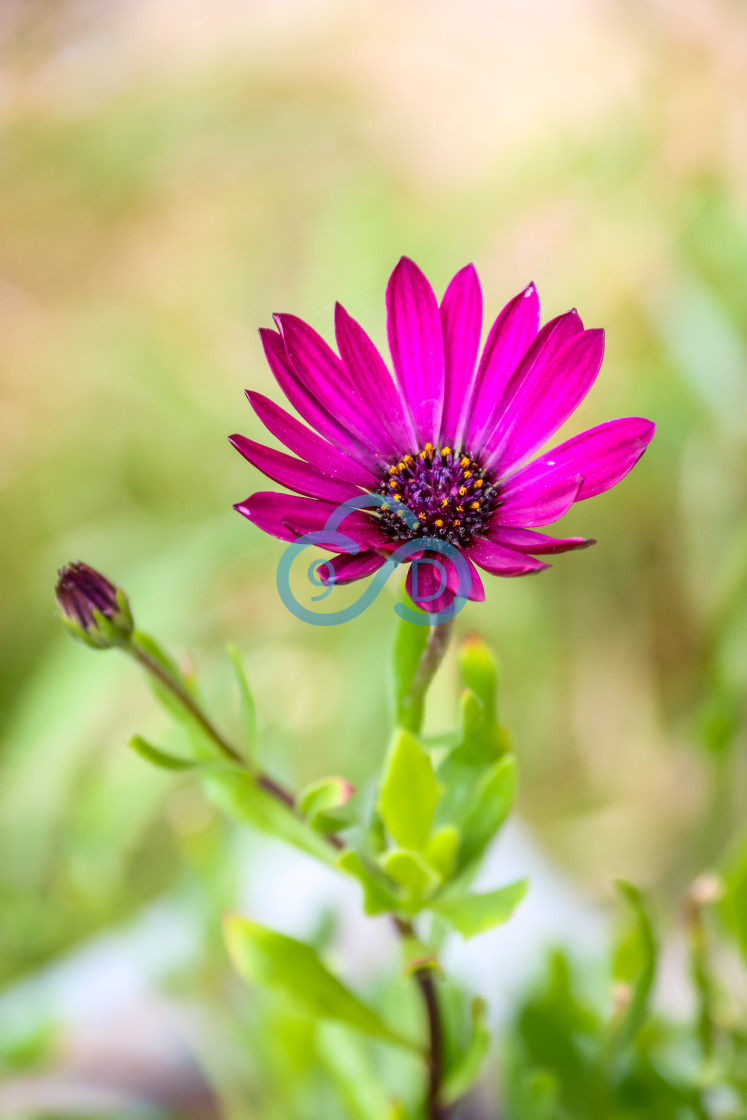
pixel 446 492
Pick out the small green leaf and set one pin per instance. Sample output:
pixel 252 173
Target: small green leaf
pixel 635 963
pixel 442 849
pixel 488 810
pixel 409 645
pixel 409 793
pixel 275 961
pixel 471 914
pixel 411 871
pixel 158 757
pixel 480 673
pixel 248 707
pixel 465 1072
pixel 326 804
pixel 377 897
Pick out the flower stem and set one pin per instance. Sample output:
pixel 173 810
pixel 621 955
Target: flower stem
pixel 433 655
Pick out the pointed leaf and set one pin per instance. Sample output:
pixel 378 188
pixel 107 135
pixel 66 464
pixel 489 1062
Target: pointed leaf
pixel 158 757
pixel 488 810
pixel 412 873
pixel 636 962
pixel 273 960
pixel 248 707
pixel 471 914
pixel 409 793
pixel 480 673
pixel 442 849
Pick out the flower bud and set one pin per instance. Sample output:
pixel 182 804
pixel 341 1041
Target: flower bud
pixel 94 610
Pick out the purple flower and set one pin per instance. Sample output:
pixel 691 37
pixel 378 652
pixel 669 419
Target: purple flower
pixel 94 610
pixel 451 437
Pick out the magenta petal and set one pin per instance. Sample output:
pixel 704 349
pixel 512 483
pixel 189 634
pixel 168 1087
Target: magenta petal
pixel 287 517
pixel 461 320
pixel 303 398
pixel 347 569
pixel 293 473
pixel 424 581
pixel 603 455
pixel 331 382
pixel 502 561
pixel 307 444
pixel 367 369
pixel 526 540
pixel 417 346
pixel 541 353
pixel 476 591
pixel 510 337
pixel 535 497
pixel 548 397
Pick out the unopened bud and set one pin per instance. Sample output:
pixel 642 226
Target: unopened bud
pixel 93 609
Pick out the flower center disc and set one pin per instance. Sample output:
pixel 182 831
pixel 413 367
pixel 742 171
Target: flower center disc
pixel 445 491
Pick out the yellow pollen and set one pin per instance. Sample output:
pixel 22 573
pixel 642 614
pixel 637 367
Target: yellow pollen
pixel 394 482
pixel 446 451
pixel 408 459
pixel 468 474
pixel 478 483
pixel 421 517
pixel 464 462
pixel 438 522
pixel 475 505
pixel 393 470
pixel 444 503
pixel 401 466
pixel 460 509
pixel 462 491
pixel 397 497
pixel 456 523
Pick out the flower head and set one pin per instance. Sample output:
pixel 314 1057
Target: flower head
pixel 446 445
pixel 94 610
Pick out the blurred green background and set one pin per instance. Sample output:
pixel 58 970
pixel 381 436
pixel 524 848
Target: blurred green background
pixel 174 171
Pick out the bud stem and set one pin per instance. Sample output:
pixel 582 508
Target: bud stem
pixel 151 666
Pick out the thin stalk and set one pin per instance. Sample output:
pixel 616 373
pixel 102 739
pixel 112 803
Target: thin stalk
pixel 433 655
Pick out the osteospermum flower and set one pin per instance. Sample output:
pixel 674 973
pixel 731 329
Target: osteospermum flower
pixel 450 437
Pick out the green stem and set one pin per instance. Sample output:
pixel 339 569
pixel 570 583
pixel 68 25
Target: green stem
pixel 433 654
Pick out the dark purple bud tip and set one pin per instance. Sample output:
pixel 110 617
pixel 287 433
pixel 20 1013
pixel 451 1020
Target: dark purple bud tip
pixel 94 610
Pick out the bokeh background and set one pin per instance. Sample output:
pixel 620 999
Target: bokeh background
pixel 174 171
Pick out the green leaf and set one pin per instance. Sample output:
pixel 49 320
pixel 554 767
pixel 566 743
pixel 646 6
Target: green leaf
pixel 411 871
pixel 275 961
pixel 409 792
pixel 442 849
pixel 733 906
pixel 488 810
pixel 326 804
pixel 409 645
pixel 248 707
pixel 377 896
pixel 635 963
pixel 480 673
pixel 471 914
pixel 465 1072
pixel 358 1080
pixel 236 793
pixel 158 757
